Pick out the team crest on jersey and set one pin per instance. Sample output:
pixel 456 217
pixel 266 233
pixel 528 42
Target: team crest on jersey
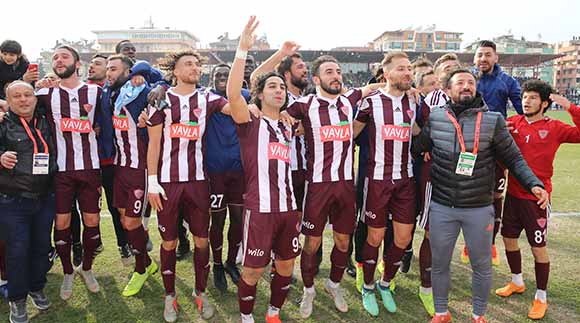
pixel 139 194
pixel 88 107
pixel 344 110
pixel 411 113
pixel 287 135
pixel 542 222
pixel 197 112
pixel 543 133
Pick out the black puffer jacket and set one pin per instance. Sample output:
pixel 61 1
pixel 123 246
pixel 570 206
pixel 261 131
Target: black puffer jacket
pixel 19 181
pixel 439 136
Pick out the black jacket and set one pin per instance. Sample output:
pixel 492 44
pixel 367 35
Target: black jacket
pixel 496 144
pixel 19 181
pixel 9 73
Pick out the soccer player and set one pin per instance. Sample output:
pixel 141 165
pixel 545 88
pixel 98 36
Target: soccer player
pixel 122 104
pixel 271 220
pixel 226 179
pixel 329 194
pixel 71 109
pixel 538 137
pixel 433 99
pixel 175 164
pixel 496 87
pixel 389 185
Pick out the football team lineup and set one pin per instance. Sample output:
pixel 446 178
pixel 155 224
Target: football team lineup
pixel 322 189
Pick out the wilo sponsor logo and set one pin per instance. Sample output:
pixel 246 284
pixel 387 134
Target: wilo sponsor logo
pixel 370 215
pixel 279 151
pixel 341 132
pixel 399 133
pixel 189 131
pixel 256 252
pixel 308 225
pixel 82 125
pixel 121 122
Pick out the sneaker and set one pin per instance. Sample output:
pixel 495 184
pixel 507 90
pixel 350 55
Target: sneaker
pixel 538 310
pixel 247 318
pixel 360 277
pixel 170 310
pixel 183 250
pixel 406 262
pixel 66 288
pixel 39 300
pixel 306 303
pixel 427 301
pixel 135 284
pixel 273 319
pixel 387 297
pixel 369 301
pixel 204 307
pixel 509 289
pixel 219 278
pixel 77 251
pixel 494 256
pixel 126 255
pixel 152 268
pixel 18 313
pixel 465 255
pixel 233 272
pixel 351 269
pixel 89 279
pixel 337 295
pixel 441 318
pixel 480 319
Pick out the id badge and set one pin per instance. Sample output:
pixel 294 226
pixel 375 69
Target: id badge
pixel 40 164
pixel 465 164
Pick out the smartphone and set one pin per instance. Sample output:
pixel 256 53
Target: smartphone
pixel 33 67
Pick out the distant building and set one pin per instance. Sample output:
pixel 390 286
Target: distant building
pixel 226 43
pixel 419 40
pixel 508 44
pixel 147 39
pixel 567 75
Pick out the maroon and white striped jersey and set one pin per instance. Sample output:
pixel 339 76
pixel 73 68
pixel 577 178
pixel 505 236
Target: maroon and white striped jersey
pixel 389 120
pixel 328 132
pixel 435 98
pixel 71 113
pixel 265 150
pixel 182 143
pixel 298 145
pixel 130 142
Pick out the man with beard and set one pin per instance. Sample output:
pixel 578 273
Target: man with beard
pixel 71 110
pixel 462 178
pixel 175 158
pixel 538 137
pixel 122 104
pixel 496 87
pixel 97 70
pixel 389 185
pixel 226 179
pixel 327 119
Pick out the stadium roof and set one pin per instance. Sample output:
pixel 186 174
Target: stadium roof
pixel 214 57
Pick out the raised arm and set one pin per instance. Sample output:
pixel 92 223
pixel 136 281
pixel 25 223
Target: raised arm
pixel 288 48
pixel 237 106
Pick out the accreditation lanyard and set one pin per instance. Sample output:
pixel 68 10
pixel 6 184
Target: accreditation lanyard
pixel 466 162
pixel 40 161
